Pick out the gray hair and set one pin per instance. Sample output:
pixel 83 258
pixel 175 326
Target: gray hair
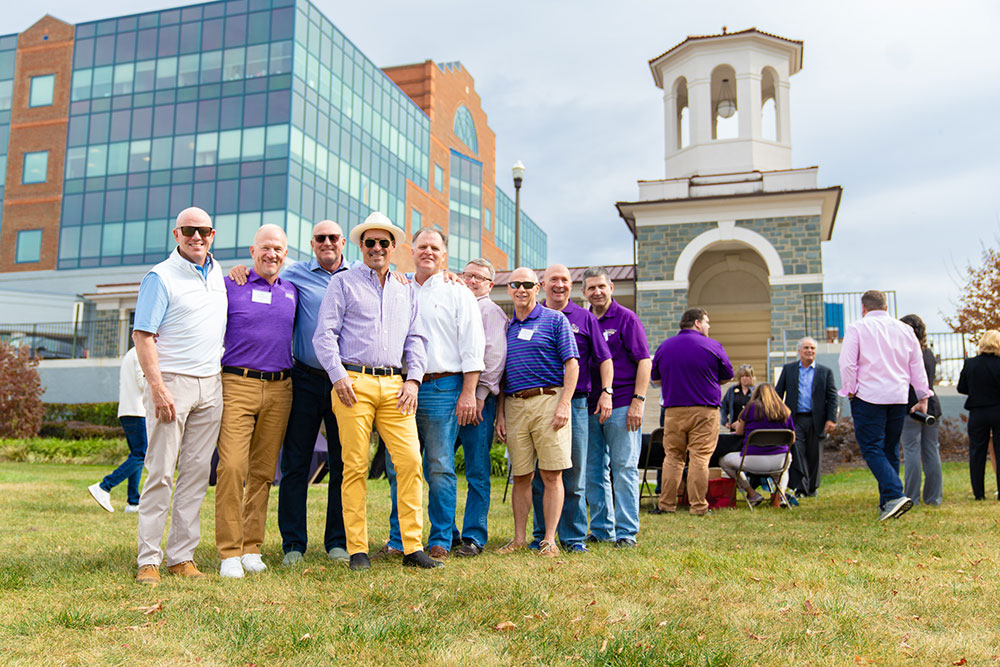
pixel 424 230
pixel 803 340
pixel 596 272
pixel 486 264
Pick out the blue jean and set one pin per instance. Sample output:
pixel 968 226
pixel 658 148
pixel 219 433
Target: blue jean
pixel 612 441
pixel 131 467
pixel 311 404
pixel 877 429
pixel 477 440
pixel 572 527
pixel 437 426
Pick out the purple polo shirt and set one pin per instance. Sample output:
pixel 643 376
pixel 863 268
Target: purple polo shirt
pixel 752 422
pixel 691 368
pixel 589 342
pixel 626 339
pixel 259 327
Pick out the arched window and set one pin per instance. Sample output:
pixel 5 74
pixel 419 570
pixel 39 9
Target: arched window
pixel 465 128
pixel 682 115
pixel 725 114
pixel 769 104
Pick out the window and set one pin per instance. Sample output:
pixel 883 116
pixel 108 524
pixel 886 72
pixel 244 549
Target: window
pixel 35 166
pixel 41 90
pixel 438 178
pixel 488 219
pixel 416 220
pixel 465 128
pixel 29 246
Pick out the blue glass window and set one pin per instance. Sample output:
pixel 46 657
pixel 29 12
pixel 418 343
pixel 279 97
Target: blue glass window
pixel 438 178
pixel 42 88
pixel 36 165
pixel 29 246
pixel 465 128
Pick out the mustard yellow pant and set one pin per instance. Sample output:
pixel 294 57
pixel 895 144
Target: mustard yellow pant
pixel 377 405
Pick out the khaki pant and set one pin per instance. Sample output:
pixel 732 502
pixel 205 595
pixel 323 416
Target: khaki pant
pixel 530 437
pixel 377 404
pixel 186 444
pixel 691 431
pixel 254 418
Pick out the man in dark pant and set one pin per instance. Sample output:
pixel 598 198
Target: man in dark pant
pixel 877 429
pixel 310 406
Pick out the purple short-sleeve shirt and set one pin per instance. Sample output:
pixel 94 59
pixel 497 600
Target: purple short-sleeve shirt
pixel 259 326
pixel 589 342
pixel 626 339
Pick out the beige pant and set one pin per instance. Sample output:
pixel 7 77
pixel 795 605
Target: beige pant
pixel 253 426
pixel 531 438
pixel 688 432
pixel 186 444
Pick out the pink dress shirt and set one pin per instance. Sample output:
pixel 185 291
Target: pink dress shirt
pixel 880 359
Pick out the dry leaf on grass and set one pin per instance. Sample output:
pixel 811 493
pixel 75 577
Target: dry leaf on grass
pixel 504 625
pixel 661 624
pixel 810 609
pixel 753 636
pixel 960 661
pixel 417 609
pixel 152 609
pixel 604 646
pixel 577 619
pixel 305 637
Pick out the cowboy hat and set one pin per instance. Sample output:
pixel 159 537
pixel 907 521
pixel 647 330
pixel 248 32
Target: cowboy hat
pixel 377 220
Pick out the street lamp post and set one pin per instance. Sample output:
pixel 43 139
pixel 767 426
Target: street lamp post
pixel 518 171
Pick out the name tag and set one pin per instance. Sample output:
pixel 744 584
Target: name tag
pixel 260 296
pixel 525 334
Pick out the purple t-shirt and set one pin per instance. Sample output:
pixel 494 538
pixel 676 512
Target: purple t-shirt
pixel 691 368
pixel 626 339
pixel 259 327
pixel 589 342
pixel 753 422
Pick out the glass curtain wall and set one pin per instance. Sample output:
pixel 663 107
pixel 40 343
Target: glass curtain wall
pixel 465 206
pixel 534 241
pixel 8 53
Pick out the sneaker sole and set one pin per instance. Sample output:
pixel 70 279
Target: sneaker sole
pixel 98 501
pixel 903 509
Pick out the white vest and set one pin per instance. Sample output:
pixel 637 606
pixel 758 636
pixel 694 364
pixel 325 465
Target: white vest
pixel 190 337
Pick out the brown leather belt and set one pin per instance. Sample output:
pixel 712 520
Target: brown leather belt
pixel 528 393
pixel 256 375
pixel 430 377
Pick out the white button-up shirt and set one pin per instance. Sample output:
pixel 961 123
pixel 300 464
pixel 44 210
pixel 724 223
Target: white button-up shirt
pixel 452 322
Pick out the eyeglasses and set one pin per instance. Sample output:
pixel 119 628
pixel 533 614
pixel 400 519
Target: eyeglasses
pixel 203 232
pixel 322 238
pixel 522 284
pixel 383 243
pixel 475 278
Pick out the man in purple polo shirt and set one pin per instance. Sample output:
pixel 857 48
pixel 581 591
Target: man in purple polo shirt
pixel 534 408
pixel 558 284
pixel 691 368
pixel 257 397
pixel 618 439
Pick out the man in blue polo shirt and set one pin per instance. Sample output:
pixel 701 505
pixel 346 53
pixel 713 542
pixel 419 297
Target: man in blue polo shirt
pixel 558 284
pixel 535 406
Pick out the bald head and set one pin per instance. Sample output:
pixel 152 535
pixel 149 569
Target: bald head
pixel 193 217
pixel 523 273
pixel 328 244
pixel 269 249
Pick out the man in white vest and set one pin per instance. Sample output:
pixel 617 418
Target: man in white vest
pixel 180 321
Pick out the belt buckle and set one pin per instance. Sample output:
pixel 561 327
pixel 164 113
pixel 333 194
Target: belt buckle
pixel 378 371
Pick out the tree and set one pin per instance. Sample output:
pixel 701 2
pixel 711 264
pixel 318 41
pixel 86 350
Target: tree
pixel 20 393
pixel 979 302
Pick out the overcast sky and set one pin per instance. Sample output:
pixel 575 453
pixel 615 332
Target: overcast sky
pixel 893 103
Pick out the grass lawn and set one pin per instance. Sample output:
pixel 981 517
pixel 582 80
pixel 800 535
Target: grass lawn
pixel 823 584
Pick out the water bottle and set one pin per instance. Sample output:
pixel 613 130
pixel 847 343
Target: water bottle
pixel 923 417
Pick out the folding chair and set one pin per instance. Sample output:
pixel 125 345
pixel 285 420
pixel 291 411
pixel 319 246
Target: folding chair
pixel 773 437
pixel 653 460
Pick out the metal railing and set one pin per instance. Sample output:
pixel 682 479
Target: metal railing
pixel 951 350
pixel 827 314
pixel 70 340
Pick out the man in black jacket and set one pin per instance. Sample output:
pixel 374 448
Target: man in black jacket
pixel 809 392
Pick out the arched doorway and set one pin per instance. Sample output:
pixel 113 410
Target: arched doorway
pixel 730 281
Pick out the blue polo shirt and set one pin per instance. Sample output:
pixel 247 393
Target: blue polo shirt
pixel 311 281
pixel 537 348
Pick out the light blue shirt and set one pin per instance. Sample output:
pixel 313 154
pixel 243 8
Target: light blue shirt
pixel 152 301
pixel 311 281
pixel 806 374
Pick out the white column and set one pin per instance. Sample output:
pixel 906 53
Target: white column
pixel 669 123
pixel 700 110
pixel 784 114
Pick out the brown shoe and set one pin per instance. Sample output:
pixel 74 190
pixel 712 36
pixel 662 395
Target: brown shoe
pixel 512 547
pixel 548 549
pixel 438 552
pixel 386 552
pixel 187 570
pixel 467 550
pixel 148 574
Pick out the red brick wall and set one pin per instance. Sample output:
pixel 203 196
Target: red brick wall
pixel 44 48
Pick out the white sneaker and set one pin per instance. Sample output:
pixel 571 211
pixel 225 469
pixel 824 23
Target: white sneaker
pixel 131 509
pixel 253 563
pixel 231 568
pixel 102 497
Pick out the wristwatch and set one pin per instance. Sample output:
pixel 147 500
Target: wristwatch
pixel 608 390
pixel 639 396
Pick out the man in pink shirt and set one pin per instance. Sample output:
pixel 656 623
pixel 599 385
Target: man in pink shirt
pixel 879 360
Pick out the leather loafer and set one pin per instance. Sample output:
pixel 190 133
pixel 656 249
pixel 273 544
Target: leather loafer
pixel 386 552
pixel 360 562
pixel 467 550
pixel 438 552
pixel 420 559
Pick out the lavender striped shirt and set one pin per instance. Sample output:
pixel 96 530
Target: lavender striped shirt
pixel 361 322
pixel 495 324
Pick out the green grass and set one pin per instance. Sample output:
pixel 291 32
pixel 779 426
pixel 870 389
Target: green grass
pixel 824 584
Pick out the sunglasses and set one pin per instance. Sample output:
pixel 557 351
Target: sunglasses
pixel 383 243
pixel 204 232
pixel 322 238
pixel 522 284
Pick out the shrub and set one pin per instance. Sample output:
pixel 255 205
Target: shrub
pixel 105 414
pixel 498 462
pixel 95 451
pixel 20 393
pixel 78 430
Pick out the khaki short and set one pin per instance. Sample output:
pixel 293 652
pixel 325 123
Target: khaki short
pixel 530 437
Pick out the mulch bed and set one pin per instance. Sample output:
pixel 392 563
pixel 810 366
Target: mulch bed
pixel 841 449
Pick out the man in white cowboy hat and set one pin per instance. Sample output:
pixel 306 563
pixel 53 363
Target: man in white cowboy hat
pixel 367 321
